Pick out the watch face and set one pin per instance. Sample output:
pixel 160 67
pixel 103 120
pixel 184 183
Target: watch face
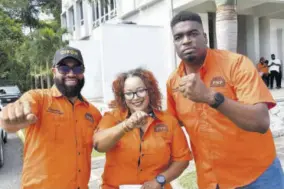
pixel 161 179
pixel 219 97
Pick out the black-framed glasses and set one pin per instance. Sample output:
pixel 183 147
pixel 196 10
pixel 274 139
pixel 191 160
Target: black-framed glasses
pixel 139 93
pixel 66 69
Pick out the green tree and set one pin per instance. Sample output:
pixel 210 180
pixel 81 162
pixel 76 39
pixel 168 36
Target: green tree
pixel 27 11
pixel 26 58
pixel 11 37
pixel 226 24
pixel 38 53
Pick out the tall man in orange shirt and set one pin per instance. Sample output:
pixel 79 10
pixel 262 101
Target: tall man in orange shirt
pixel 223 104
pixel 59 124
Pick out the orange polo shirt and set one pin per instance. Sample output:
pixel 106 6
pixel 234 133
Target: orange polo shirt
pixel 57 149
pixel 162 143
pixel 262 68
pixel 224 153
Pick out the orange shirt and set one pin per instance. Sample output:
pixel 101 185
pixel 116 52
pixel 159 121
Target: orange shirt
pixel 224 153
pixel 262 68
pixel 57 150
pixel 163 142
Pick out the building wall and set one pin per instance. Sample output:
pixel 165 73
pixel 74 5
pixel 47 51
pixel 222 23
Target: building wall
pixel 122 51
pixel 91 53
pixel 154 15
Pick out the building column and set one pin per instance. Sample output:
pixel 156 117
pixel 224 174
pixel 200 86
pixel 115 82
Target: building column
pixel 252 38
pixel 264 37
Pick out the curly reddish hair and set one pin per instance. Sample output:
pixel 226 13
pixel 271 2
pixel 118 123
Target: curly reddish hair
pixel 150 82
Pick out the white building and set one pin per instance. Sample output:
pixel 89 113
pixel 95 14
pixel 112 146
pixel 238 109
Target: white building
pixel 260 27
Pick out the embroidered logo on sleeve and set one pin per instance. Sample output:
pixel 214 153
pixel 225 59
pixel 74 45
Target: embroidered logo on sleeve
pixel 217 82
pixel 89 117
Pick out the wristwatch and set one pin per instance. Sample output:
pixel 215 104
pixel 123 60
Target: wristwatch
pixel 161 179
pixel 219 99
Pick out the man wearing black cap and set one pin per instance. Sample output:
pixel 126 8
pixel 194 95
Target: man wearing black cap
pixel 58 124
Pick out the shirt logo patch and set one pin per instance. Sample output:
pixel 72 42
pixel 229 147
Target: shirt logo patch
pixel 217 82
pixel 54 111
pixel 161 128
pixel 89 117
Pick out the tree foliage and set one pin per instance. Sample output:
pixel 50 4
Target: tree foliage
pixel 26 55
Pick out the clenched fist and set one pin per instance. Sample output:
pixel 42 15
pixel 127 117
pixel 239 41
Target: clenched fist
pixel 193 88
pixel 16 116
pixel 136 120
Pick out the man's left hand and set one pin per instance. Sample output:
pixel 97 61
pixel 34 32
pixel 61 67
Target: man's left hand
pixel 153 184
pixel 192 87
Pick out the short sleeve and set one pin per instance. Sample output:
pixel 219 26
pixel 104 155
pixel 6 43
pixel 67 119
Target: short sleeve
pixel 170 101
pixel 35 99
pixel 107 121
pixel 180 148
pixel 97 115
pixel 248 85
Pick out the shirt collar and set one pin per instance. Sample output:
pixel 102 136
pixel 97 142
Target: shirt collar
pixel 202 70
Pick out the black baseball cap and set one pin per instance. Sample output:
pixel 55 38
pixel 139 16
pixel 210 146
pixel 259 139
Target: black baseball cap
pixel 67 52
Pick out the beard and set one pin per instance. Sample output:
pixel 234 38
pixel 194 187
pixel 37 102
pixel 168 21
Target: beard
pixel 194 59
pixel 69 91
pixel 190 58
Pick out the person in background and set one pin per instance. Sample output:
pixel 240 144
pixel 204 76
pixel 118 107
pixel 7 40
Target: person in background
pixel 275 71
pixel 268 74
pixel 143 144
pixel 262 69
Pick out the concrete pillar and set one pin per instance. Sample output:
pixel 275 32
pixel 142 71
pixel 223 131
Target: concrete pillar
pixel 264 37
pixel 252 38
pixel 242 46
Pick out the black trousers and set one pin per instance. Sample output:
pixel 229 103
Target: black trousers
pixel 277 76
pixel 265 78
pixel 280 79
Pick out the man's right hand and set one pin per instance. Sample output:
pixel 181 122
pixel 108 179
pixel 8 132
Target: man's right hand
pixel 16 116
pixel 137 120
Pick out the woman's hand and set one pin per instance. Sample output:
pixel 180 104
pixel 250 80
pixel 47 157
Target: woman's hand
pixel 153 184
pixel 136 120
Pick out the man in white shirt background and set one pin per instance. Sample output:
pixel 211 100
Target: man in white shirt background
pixel 275 71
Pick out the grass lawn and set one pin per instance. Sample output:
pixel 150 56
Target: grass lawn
pixel 188 181
pixel 97 154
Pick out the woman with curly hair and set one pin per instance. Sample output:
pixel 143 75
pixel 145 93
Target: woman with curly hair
pixel 144 145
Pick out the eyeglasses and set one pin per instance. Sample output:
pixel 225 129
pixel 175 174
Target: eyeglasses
pixel 66 69
pixel 139 93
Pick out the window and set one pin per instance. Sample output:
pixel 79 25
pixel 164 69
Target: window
pixel 95 13
pixel 81 12
pixel 112 6
pixel 103 12
pixel 72 18
pixel 64 20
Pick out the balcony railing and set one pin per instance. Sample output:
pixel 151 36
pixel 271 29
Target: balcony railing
pixel 110 15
